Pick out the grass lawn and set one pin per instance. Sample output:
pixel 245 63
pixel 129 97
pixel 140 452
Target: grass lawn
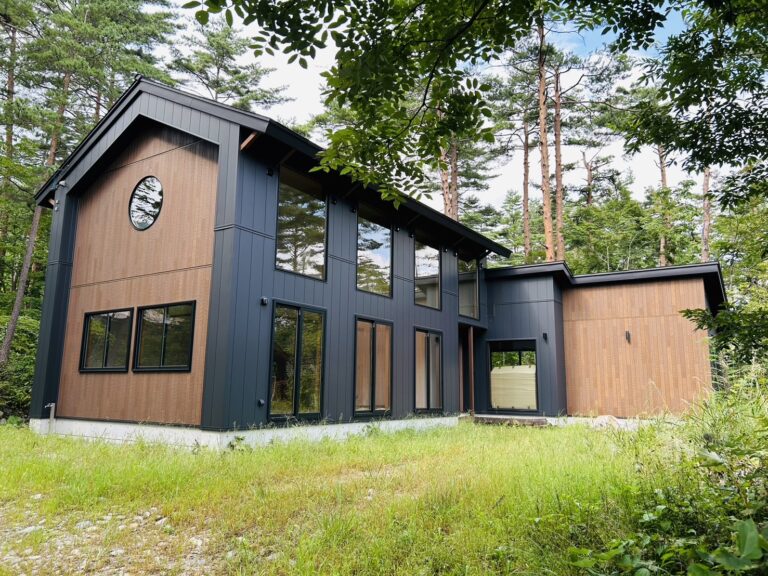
pixel 469 500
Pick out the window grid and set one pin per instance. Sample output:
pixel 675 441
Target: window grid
pixel 163 345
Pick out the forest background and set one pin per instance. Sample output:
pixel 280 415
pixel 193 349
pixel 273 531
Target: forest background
pixel 550 125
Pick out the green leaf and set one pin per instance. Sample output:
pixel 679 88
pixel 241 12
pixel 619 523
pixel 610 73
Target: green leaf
pixel 202 17
pixel 730 562
pixel 193 4
pixel 748 540
pixel 228 17
pixel 699 570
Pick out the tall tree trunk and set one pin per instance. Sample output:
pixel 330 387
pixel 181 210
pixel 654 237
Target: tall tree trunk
pixel 559 192
pixel 21 288
pixel 454 183
pixel 526 178
pixel 662 155
pixel 10 124
pixel 545 189
pixel 97 109
pixel 706 217
pixel 445 180
pixel 10 89
pixel 449 179
pixel 590 177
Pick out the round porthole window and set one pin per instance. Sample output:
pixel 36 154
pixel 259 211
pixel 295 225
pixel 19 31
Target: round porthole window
pixel 146 201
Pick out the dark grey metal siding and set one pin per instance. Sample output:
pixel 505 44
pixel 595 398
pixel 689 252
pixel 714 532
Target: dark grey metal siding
pixel 243 357
pixel 58 277
pixel 526 308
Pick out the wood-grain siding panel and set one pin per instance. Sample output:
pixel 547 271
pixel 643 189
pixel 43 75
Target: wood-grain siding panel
pixel 116 266
pixel 663 368
pixel 108 247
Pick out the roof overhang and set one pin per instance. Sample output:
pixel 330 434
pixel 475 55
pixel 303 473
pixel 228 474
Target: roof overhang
pixel 709 272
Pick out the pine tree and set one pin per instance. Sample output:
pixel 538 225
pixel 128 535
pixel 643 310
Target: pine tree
pixel 79 47
pixel 212 62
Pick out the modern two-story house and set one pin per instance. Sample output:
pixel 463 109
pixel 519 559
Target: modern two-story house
pixel 201 275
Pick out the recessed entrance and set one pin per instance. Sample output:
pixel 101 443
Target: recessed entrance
pixel 513 375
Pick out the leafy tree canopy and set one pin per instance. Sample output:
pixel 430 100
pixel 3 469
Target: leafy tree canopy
pixel 711 75
pixel 388 50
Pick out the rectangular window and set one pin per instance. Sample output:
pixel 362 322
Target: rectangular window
pixel 427 275
pixel 468 295
pixel 373 366
pixel 374 257
pixel 301 225
pixel 513 375
pixel 429 385
pixel 164 337
pixel 297 362
pixel 106 339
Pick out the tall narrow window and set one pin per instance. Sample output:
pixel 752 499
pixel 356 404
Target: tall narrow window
pixel 297 362
pixel 513 375
pixel 373 366
pixel 429 384
pixel 468 295
pixel 301 224
pixel 427 275
pixel 106 339
pixel 164 337
pixel 374 256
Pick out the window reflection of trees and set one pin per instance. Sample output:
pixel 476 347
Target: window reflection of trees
pixel 107 337
pixel 284 360
pixel 468 295
pixel 298 337
pixel 146 201
pixel 301 218
pixel 427 275
pixel 374 257
pixel 165 337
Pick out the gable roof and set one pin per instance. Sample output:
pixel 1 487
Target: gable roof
pixel 710 272
pixel 455 233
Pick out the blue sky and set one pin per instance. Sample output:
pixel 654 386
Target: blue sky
pixel 588 41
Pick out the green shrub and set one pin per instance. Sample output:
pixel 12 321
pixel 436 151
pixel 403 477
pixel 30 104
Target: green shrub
pixel 16 376
pixel 713 517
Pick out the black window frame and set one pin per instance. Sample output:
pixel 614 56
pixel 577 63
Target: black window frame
pixel 374 413
pixel 496 342
pixel 477 286
pixel 439 306
pixel 391 228
pixel 83 342
pixel 297 416
pixel 137 339
pixel 277 266
pixel 429 410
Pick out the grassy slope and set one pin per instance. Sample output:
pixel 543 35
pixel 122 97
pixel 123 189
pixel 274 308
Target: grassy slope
pixel 460 501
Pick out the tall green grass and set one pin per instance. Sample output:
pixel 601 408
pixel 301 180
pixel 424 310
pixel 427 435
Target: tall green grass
pixel 469 500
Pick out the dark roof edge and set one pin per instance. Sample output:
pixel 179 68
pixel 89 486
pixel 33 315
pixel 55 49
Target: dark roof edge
pixel 51 184
pixel 711 272
pixel 543 268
